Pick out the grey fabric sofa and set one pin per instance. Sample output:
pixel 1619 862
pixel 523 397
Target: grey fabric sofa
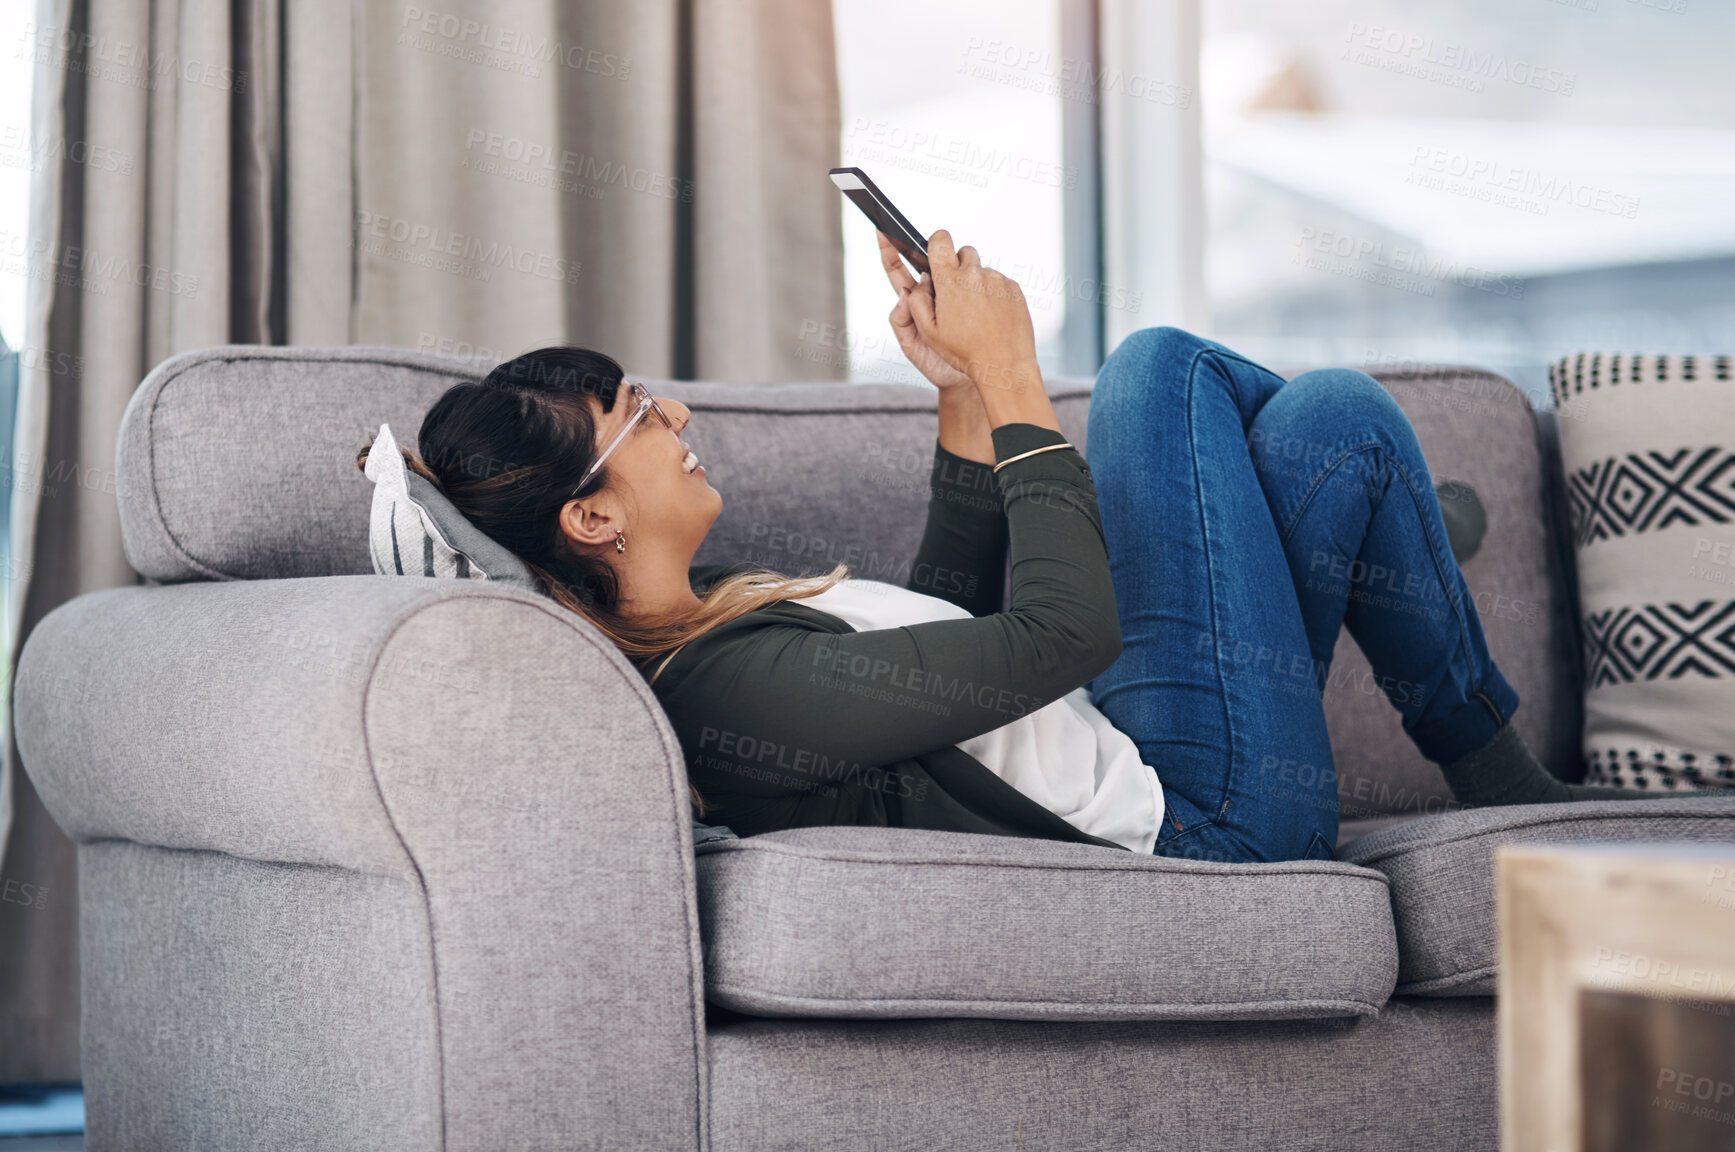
pixel 394 863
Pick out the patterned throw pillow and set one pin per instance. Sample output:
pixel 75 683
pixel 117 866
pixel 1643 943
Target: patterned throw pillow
pixel 415 531
pixel 1648 447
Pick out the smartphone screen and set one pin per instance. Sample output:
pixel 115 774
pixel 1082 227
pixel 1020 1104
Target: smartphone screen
pixel 854 183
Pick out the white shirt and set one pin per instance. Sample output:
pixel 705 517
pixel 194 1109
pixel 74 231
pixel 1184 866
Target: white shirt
pixel 1066 755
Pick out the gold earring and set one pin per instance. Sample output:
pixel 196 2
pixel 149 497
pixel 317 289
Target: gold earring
pixel 620 541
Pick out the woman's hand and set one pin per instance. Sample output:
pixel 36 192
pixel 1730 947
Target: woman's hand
pixel 928 362
pixel 975 319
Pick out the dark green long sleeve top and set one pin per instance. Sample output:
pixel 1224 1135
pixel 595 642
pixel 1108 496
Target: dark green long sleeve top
pixel 790 718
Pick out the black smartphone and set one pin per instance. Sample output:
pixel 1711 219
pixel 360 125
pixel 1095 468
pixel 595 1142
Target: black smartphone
pixel 854 183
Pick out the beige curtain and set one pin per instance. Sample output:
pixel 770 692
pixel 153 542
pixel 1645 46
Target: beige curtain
pixel 646 177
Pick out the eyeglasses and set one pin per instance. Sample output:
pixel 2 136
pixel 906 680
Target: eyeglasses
pixel 646 403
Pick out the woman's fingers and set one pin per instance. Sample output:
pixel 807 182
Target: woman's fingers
pixel 899 275
pixel 902 322
pixel 940 251
pixel 921 304
pixel 986 321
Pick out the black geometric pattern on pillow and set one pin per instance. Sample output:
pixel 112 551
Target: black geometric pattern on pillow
pixel 1642 491
pixel 1658 770
pixel 1571 375
pixel 1657 641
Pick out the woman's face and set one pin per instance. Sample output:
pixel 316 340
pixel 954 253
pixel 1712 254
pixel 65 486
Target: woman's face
pixel 659 506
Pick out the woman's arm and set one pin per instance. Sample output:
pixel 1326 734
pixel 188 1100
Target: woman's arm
pixel 962 556
pixel 764 710
pixel 976 320
pixel 771 712
pixel 964 427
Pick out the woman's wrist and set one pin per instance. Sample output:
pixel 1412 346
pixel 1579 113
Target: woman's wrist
pixel 964 427
pixel 1013 393
pixel 1017 375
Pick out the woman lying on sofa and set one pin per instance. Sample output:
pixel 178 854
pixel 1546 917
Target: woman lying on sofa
pixel 1156 679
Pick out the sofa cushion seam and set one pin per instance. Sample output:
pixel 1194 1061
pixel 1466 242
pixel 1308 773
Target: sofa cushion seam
pixel 1279 868
pixel 1463 976
pixel 1546 821
pixel 940 1001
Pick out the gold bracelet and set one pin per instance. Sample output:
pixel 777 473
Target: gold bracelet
pixel 1032 452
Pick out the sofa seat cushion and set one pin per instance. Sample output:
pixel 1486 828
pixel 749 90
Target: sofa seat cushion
pixel 1442 873
pixel 884 922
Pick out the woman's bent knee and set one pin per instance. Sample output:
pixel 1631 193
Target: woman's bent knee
pixel 1332 403
pixel 1147 362
pixel 1151 346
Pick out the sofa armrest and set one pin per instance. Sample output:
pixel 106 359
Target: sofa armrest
pixel 491 755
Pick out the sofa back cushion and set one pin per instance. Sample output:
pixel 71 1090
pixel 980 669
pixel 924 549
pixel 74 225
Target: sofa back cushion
pixel 238 463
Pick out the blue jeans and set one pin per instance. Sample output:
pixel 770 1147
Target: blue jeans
pixel 1247 519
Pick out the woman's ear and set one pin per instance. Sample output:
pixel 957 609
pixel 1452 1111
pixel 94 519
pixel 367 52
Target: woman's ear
pixel 584 525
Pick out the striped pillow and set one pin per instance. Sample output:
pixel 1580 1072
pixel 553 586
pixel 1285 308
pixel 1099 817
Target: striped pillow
pixel 415 531
pixel 1648 448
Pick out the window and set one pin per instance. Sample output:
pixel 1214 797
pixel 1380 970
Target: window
pixel 1469 181
pixel 17 162
pixel 956 110
pixel 1343 182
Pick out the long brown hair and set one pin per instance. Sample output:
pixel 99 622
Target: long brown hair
pixel 508 452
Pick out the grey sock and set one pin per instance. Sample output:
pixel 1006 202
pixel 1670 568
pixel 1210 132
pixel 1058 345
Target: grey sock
pixel 1505 771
